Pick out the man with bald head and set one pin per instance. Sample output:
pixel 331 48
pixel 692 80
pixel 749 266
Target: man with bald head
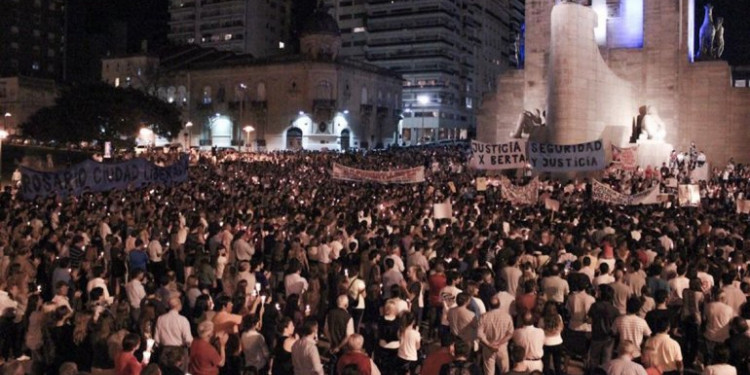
pixel 494 331
pixel 173 330
pixel 531 339
pixel 355 355
pixel 624 365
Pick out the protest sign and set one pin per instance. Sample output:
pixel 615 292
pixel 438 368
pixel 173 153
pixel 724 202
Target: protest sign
pixel 547 157
pixel 625 157
pixel 510 154
pixel 443 210
pixel 689 196
pixel 481 183
pixel 91 176
pixel 520 195
pixel 552 205
pixel 397 176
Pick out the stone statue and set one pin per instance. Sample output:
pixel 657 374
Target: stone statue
pixel 653 126
pixel 529 121
pixel 707 33
pixel 718 47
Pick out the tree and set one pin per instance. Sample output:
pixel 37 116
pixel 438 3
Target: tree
pixel 104 113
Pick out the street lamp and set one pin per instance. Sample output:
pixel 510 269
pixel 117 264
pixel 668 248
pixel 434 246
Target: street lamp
pixel 243 87
pixel 423 100
pixel 5 120
pixel 188 127
pixel 3 135
pixel 247 130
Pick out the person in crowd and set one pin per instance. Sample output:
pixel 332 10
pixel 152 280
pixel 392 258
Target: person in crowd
pixel 624 364
pixel 305 356
pixel 494 331
pixel 78 273
pixel 461 363
pixel 531 339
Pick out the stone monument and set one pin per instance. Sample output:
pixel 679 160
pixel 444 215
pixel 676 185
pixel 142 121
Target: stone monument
pixel 707 33
pixel 645 54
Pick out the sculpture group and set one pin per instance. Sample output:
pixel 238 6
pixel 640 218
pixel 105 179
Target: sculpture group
pixel 711 36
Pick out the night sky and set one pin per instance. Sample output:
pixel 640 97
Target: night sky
pixel 148 20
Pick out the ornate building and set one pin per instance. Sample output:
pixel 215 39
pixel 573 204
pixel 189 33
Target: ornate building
pixel 314 100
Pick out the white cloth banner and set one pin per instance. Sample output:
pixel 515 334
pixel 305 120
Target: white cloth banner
pixel 604 193
pixel 689 196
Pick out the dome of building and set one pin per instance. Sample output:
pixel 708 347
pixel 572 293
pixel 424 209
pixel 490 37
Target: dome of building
pixel 320 22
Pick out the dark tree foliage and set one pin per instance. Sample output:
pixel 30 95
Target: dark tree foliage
pixel 104 113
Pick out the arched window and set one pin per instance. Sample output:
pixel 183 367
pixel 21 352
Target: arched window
pixel 207 95
pixel 363 97
pixel 324 90
pixel 261 91
pixel 171 92
pixel 182 95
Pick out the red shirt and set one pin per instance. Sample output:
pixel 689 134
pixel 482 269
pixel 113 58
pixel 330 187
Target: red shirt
pixel 437 282
pixel 127 364
pixel 204 359
pixel 435 361
pixel 360 359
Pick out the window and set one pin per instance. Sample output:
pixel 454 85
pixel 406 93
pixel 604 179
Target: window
pixel 207 95
pixel 51 52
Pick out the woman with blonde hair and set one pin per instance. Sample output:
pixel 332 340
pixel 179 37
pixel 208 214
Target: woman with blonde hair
pixel 388 339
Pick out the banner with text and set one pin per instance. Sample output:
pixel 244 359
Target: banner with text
pixel 604 193
pixel 507 155
pixel 91 176
pixel 398 176
pixel 625 157
pixel 520 195
pixel 582 157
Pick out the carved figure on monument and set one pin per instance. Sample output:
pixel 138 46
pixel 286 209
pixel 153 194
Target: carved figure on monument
pixel 652 125
pixel 529 121
pixel 707 33
pixel 718 38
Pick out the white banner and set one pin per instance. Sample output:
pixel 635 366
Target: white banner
pixel 397 176
pixel 520 195
pixel 443 210
pixel 604 193
pixel 510 154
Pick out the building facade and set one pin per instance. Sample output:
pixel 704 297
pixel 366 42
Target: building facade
pixel 312 101
pixel 21 97
pixel 449 53
pixel 257 27
pixel 31 38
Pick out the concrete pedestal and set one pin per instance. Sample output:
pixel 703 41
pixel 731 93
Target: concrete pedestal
pixel 653 153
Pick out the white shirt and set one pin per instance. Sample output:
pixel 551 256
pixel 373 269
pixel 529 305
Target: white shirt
pixel 242 250
pixel 603 279
pixel 136 292
pixel 532 339
pixel 295 284
pixel 155 251
pixel 718 316
pixel 720 369
pixel 409 344
pixel 173 329
pixel 98 283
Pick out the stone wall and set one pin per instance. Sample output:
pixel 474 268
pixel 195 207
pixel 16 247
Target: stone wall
pixel 585 96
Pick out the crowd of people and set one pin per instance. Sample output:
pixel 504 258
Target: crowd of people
pixel 263 264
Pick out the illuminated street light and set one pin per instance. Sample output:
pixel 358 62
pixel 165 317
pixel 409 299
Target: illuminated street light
pixel 247 130
pixel 3 135
pixel 423 100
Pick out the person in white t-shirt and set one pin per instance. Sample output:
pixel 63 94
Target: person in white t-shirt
pixel 409 343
